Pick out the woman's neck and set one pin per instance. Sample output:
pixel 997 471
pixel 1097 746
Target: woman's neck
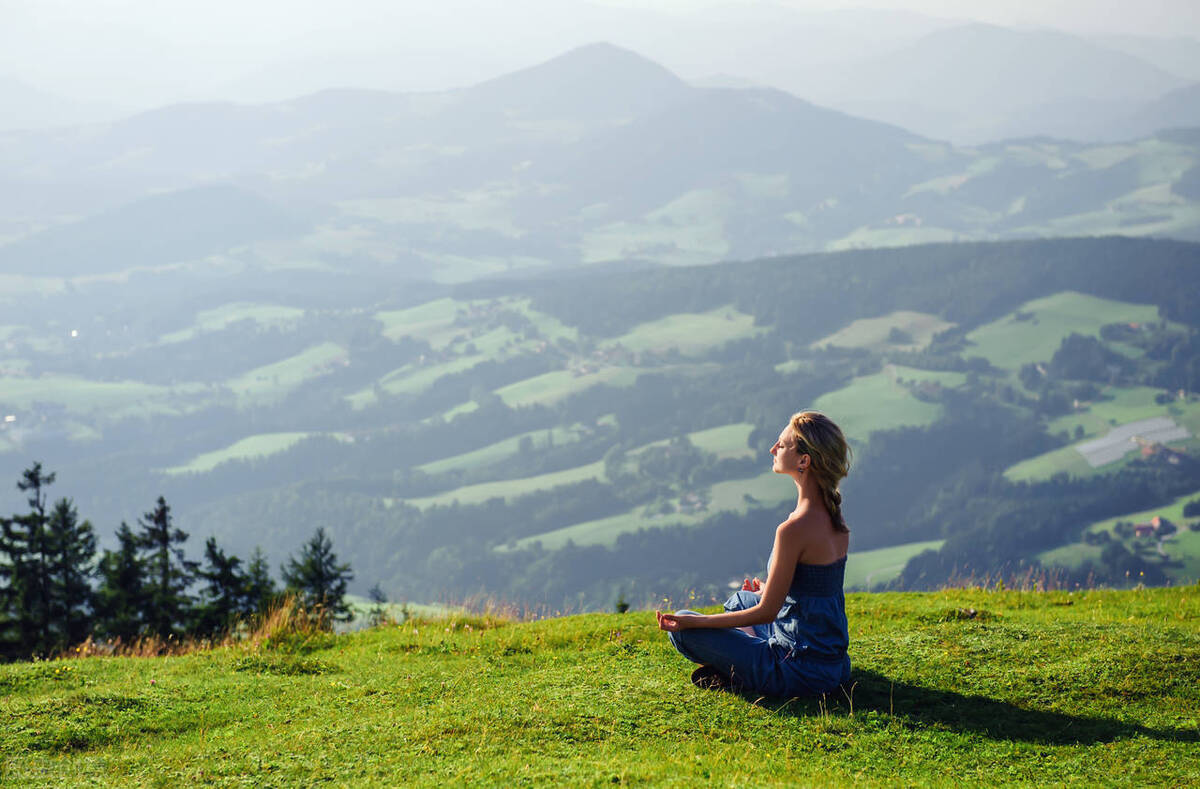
pixel 808 493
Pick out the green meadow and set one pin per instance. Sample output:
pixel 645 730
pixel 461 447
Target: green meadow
pixel 866 570
pixel 884 400
pixel 949 688
pixel 226 314
pixel 272 382
pixel 249 448
pixel 511 488
pixel 690 332
pixel 552 387
pixel 1182 548
pixel 497 452
pixel 872 333
pixel 1034 332
pixel 1119 406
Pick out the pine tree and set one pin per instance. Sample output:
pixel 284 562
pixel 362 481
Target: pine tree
pixel 120 598
pixel 319 580
pixel 223 593
pixel 25 568
pixel 260 587
pixel 168 574
pixel 72 551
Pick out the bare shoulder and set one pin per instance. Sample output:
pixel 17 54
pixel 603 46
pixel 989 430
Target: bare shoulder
pixel 812 535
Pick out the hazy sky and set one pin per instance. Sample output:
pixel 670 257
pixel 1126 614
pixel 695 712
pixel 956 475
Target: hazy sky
pixel 136 53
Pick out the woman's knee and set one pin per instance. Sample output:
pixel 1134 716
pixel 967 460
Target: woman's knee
pixel 741 600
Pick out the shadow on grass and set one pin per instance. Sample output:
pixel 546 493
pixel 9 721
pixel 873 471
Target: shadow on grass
pixel 1000 720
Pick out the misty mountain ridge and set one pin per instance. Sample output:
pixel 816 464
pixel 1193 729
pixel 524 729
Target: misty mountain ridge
pixel 597 155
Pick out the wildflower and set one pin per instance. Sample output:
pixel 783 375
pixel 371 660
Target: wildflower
pixel 153 681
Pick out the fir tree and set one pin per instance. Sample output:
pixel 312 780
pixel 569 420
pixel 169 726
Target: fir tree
pixel 260 587
pixel 72 550
pixel 319 580
pixel 120 598
pixel 25 568
pixel 224 591
pixel 168 574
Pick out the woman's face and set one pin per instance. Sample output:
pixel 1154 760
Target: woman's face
pixel 787 458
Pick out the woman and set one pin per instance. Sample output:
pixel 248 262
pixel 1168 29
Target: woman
pixel 786 637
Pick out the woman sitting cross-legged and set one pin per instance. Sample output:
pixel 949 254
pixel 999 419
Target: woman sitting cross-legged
pixel 788 636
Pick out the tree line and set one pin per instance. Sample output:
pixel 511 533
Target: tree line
pixel 55 592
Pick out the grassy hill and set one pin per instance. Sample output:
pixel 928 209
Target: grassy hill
pixel 949 688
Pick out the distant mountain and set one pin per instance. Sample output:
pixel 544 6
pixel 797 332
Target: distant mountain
pixel 166 228
pixel 1179 55
pixel 978 83
pixel 596 155
pixel 1178 109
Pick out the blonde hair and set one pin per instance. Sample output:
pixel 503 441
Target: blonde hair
pixel 818 437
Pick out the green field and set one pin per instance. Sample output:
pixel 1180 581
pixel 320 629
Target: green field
pixel 726 441
pixel 1184 546
pixel 688 230
pixel 690 332
pixel 1066 460
pixel 271 383
pixel 101 400
pixel 867 570
pixel 219 318
pixel 950 688
pixel 1011 342
pixel 497 452
pixel 433 322
pixel 511 488
pixel 1121 406
pixel 883 401
pixel 550 388
pixel 872 333
pixel 735 495
pixel 259 446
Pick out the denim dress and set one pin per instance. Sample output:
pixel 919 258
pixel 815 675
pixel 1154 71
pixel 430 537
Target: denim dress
pixel 801 653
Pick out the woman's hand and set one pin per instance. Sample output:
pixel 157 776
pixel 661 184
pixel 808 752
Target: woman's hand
pixel 673 623
pixel 752 585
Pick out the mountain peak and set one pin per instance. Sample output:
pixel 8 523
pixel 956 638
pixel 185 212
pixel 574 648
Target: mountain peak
pixel 598 80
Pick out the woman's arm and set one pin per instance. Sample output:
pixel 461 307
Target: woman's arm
pixel 788 546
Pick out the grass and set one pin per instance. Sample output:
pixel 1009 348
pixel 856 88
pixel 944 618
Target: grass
pixel 690 332
pixel 1064 460
pixel 103 399
pixel 258 446
pixel 550 388
pixel 271 383
pixel 1011 342
pixel 511 488
pixel 883 400
pixel 497 452
pixel 866 570
pixel 1121 405
pixel 219 318
pixel 1095 687
pixel 432 322
pixel 1184 547
pixel 872 333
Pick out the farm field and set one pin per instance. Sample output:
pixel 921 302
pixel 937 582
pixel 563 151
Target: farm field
pixel 225 315
pixel 105 400
pixel 867 570
pixel 259 446
pixel 1183 546
pixel 872 333
pixel 497 452
pixel 881 401
pixel 552 387
pixel 1132 404
pixel 433 322
pixel 271 383
pixel 936 698
pixel 690 332
pixel 1034 331
pixel 511 488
